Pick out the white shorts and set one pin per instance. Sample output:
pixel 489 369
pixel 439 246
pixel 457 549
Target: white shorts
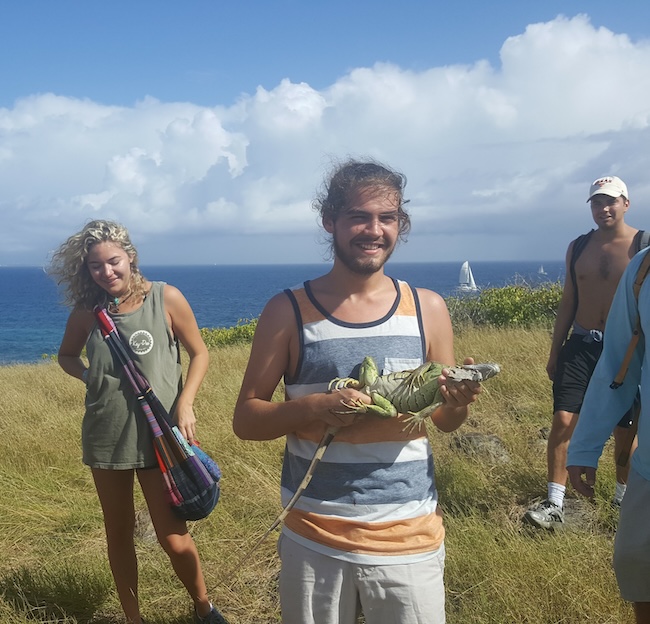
pixel 632 543
pixel 316 589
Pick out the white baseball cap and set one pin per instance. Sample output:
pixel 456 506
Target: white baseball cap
pixel 609 185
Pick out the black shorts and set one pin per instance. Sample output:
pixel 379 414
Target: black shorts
pixel 575 366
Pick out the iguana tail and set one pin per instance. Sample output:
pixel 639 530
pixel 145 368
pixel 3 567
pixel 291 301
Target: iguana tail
pixel 328 436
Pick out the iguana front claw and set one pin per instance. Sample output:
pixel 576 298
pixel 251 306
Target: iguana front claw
pixel 354 407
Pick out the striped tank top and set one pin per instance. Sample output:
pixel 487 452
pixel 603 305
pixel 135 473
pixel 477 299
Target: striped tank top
pixel 373 498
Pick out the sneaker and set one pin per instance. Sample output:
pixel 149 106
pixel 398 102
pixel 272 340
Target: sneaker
pixel 546 515
pixel 214 617
pixel 616 503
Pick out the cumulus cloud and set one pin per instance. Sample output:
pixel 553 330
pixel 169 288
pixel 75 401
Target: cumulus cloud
pixel 499 158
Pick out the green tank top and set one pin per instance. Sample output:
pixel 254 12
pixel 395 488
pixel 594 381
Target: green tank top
pixel 115 433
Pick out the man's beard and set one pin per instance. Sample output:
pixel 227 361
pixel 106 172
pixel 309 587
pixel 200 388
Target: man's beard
pixel 361 265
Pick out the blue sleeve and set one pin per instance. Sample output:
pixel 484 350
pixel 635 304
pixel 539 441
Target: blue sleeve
pixel 603 406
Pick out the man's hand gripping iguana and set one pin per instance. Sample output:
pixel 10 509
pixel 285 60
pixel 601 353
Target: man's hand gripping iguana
pixel 414 392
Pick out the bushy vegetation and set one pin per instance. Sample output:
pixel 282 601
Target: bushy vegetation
pixel 53 564
pixel 242 333
pixel 516 305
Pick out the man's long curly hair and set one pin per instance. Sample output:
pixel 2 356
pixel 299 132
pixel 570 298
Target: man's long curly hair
pixel 69 268
pixel 352 175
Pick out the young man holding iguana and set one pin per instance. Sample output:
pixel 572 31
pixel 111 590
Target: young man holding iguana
pixel 368 534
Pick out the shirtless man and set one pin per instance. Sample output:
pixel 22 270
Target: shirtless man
pixel 584 307
pixel 367 534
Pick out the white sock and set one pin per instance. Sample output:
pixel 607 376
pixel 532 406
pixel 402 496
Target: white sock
pixel 556 493
pixel 620 491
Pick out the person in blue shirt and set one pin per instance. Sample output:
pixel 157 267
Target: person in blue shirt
pixel 600 411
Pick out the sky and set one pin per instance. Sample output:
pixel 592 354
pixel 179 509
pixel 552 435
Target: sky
pixel 207 127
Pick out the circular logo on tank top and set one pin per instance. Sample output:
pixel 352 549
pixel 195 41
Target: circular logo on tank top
pixel 141 342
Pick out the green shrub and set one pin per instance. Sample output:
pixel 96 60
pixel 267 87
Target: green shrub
pixel 242 333
pixel 518 305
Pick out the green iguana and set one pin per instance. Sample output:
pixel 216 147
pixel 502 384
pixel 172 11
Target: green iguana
pixel 414 392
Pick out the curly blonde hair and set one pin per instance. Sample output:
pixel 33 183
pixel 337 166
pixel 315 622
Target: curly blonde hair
pixel 69 269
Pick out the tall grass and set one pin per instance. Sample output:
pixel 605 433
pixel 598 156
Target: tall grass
pixel 52 550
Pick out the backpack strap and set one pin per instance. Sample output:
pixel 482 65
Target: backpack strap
pixel 579 245
pixel 641 274
pixel 645 240
pixel 641 240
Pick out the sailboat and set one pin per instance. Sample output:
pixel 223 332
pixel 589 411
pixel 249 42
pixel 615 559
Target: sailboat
pixel 541 272
pixel 466 281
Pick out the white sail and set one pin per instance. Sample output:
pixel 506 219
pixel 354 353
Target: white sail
pixel 466 278
pixel 541 270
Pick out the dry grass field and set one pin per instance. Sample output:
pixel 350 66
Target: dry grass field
pixel 53 566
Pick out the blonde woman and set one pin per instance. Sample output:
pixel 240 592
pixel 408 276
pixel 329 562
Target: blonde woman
pixel 99 265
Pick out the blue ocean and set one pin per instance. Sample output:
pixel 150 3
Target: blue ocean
pixel 32 320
